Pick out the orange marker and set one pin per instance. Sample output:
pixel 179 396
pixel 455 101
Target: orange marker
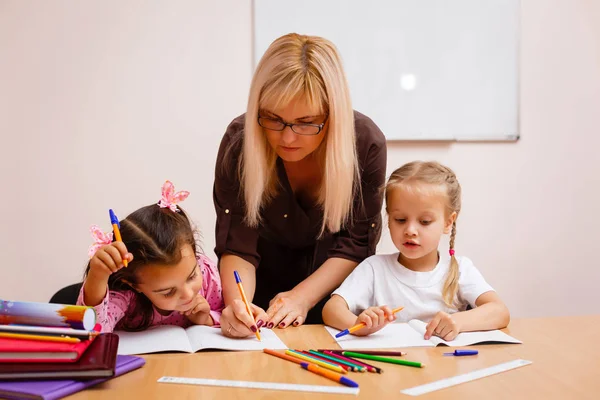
pixel 329 374
pixel 283 356
pixel 115 224
pixel 238 280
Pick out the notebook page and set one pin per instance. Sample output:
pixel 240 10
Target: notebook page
pixel 207 337
pixel 154 340
pixel 394 335
pixel 467 338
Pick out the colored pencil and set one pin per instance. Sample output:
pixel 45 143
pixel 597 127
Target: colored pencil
pixel 370 352
pixel 329 374
pixel 283 356
pixel 318 357
pixel 313 360
pixel 353 366
pixel 384 359
pixel 369 367
pixel 43 338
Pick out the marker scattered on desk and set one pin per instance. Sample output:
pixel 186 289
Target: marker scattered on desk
pixel 360 326
pixel 329 374
pixel 460 353
pixel 115 224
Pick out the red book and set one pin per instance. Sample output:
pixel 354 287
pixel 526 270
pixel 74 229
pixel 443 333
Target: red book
pixel 35 351
pixel 98 361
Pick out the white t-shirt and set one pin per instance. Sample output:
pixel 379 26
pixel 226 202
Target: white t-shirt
pixel 382 280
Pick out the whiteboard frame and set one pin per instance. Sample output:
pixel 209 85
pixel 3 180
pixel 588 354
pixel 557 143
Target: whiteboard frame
pixel 503 137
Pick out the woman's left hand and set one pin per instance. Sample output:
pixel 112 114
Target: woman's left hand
pixel 285 309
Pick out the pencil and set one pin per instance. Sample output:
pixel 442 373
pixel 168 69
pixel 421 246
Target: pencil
pixel 329 374
pixel 384 359
pixel 115 224
pixel 238 280
pixel 369 367
pixel 25 336
pixel 283 356
pixel 313 360
pixel 337 360
pixel 320 357
pixel 360 326
pixel 371 352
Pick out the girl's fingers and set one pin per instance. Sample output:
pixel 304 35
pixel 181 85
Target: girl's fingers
pixel 115 255
pixel 447 329
pixel 120 247
pixel 367 320
pixel 388 313
pixel 107 261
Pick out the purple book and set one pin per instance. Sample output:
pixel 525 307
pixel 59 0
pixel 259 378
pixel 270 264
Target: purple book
pixel 56 389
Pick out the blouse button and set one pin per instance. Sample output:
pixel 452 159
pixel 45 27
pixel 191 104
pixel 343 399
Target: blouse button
pixel 372 225
pixel 227 211
pixel 284 215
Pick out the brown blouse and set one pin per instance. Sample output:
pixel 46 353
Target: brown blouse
pixel 285 248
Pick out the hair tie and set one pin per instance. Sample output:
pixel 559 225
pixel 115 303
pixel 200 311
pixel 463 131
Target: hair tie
pixel 170 198
pixel 100 239
pixel 451 252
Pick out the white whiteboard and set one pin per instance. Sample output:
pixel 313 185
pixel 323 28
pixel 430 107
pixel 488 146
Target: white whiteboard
pixel 421 69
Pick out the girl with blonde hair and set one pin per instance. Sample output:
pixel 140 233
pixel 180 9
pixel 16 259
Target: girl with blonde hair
pixel 423 200
pixel 296 188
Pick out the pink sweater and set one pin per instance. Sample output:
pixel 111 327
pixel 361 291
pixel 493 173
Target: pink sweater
pixel 116 305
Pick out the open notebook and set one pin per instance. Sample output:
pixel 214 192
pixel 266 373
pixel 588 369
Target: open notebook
pixel 411 335
pixel 191 340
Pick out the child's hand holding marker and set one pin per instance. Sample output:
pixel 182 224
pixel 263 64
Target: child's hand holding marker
pixel 374 319
pixel 112 257
pixel 377 317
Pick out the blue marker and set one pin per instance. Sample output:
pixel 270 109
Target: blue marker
pixel 459 353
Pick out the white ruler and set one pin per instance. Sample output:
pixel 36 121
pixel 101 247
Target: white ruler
pixel 260 385
pixel 469 376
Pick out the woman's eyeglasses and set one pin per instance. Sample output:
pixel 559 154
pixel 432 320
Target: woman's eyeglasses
pixel 299 128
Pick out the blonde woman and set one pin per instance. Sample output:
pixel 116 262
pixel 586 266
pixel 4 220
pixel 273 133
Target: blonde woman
pixel 297 189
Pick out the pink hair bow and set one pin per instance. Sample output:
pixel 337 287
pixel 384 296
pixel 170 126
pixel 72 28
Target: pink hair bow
pixel 100 239
pixel 170 198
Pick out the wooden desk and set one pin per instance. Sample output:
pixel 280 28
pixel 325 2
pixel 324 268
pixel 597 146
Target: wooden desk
pixel 564 351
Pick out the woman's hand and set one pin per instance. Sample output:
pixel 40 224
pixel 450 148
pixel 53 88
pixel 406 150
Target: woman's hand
pixel 286 309
pixel 237 323
pixel 375 319
pixel 443 326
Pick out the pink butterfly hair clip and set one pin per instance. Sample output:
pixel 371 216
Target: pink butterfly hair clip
pixel 100 239
pixel 170 198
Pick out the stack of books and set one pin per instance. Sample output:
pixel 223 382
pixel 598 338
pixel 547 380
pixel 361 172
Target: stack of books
pixel 48 351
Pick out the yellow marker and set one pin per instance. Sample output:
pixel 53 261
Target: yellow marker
pixel 23 336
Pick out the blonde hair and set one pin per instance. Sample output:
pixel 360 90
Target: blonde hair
pixel 436 174
pixel 310 67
